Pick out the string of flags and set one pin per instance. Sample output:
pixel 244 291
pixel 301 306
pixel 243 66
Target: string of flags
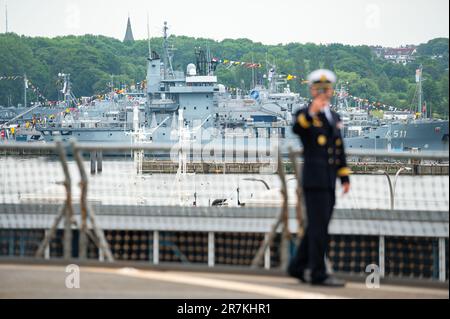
pixel 290 77
pixel 123 90
pixel 36 91
pixel 366 102
pixel 287 77
pixel 252 65
pixel 230 63
pixel 28 85
pixel 14 77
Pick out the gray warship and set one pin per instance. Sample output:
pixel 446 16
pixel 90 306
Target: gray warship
pixel 194 101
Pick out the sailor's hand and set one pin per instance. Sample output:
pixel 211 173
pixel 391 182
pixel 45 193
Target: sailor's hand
pixel 317 105
pixel 346 188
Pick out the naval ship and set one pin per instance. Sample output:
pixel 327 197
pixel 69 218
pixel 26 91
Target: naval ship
pixel 23 118
pixel 398 131
pixel 194 102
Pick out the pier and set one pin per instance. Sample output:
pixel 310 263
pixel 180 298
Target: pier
pixel 170 167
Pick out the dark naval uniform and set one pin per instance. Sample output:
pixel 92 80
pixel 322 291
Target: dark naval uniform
pixel 324 161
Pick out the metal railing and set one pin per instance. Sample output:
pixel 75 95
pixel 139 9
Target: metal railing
pixel 281 219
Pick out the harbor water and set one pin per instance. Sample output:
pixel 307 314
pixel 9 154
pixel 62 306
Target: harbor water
pixel 39 180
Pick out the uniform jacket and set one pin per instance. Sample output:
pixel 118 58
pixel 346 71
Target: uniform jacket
pixel 324 154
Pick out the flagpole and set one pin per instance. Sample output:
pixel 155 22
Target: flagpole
pixel 25 85
pixel 253 73
pixel 6 18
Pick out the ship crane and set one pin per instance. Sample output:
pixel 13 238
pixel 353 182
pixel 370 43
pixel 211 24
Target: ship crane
pixel 20 115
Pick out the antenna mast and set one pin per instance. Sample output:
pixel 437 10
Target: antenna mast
pixel 6 17
pixel 148 37
pixel 208 59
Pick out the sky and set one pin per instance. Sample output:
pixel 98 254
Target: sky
pixel 355 22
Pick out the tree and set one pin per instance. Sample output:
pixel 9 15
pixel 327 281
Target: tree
pixel 91 60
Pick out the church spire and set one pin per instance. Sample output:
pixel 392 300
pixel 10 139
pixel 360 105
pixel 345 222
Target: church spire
pixel 129 34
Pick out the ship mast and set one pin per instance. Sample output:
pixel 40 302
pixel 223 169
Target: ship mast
pixel 209 59
pixel 271 75
pixel 148 38
pixel 420 91
pixel 25 87
pixel 253 73
pixel 67 89
pixel 6 18
pixel 168 70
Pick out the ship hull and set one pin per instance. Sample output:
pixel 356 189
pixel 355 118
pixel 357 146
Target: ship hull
pixel 424 136
pixel 420 136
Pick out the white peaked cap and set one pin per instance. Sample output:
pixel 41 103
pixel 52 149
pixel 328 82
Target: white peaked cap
pixel 322 76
